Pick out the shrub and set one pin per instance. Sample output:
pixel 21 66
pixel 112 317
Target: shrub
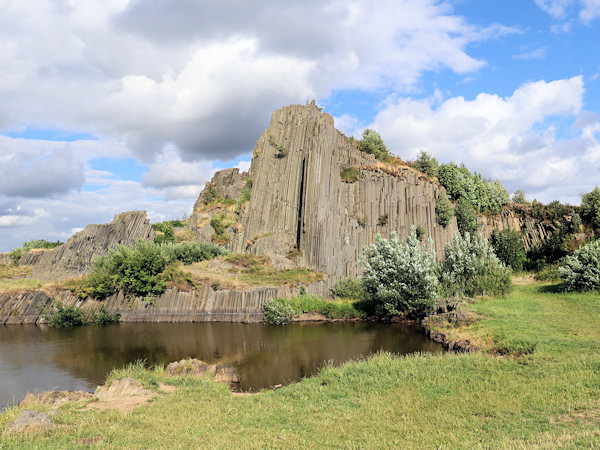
pixel 209 194
pixel 281 150
pixel 470 267
pixel 245 195
pixel 102 317
pixel 362 221
pixel 65 317
pixel 350 175
pixel 444 210
pixel 581 271
pixel 420 231
pixel 399 276
pixel 519 197
pixel 426 164
pixel 191 252
pixel 167 232
pixel 311 303
pixel 373 144
pixel 349 288
pixel 219 223
pixel 548 273
pixel 509 248
pixel 466 217
pixel 383 220
pixel 277 312
pixel 15 256
pixel 590 207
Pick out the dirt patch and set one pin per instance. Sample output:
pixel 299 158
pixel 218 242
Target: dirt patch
pixel 166 388
pixel 123 404
pixel 586 417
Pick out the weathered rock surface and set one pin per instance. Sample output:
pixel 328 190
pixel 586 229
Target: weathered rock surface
pixel 195 367
pixel 76 256
pixel 30 419
pixel 518 218
pixel 201 305
pixel 54 398
pixel 300 207
pixel 124 387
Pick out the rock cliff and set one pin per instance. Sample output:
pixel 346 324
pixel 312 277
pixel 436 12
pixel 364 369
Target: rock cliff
pixel 300 206
pixel 76 256
pixel 518 218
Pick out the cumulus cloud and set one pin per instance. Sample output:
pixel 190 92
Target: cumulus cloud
pixel 39 173
pixel 203 75
pixel 508 138
pixel 556 8
pixel 589 10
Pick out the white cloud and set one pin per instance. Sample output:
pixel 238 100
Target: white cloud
pixel 556 8
pixel 590 11
pixel 511 139
pixel 538 53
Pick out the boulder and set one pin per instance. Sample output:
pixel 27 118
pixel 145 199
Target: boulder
pixel 31 419
pixel 121 388
pixel 54 398
pixel 195 367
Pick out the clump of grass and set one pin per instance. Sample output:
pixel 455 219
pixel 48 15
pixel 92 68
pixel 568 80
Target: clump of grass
pixel 350 175
pixel 329 308
pixel 8 271
pixel 281 150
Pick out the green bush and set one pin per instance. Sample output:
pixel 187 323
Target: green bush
pixel 426 164
pixel 548 273
pixel 219 223
pixel 497 196
pixel 65 317
pixel 466 217
pixel 139 270
pixel 281 150
pixel 245 195
pixel 581 271
pixel 305 303
pixel 444 210
pixel 373 144
pixel 519 197
pixel 102 317
pixel 470 267
pixel 191 252
pixel 15 256
pixel 400 276
pixel 508 247
pixel 277 312
pixel 350 175
pixel 590 208
pixel 167 232
pixel 348 288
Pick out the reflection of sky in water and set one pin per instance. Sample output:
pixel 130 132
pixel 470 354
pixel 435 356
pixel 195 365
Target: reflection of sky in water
pixel 38 358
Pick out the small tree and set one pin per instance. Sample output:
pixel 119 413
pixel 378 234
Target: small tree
pixel 372 143
pixel 427 164
pixel 444 210
pixel 581 271
pixel 590 207
pixel 466 217
pixel 519 197
pixel 509 248
pixel 400 276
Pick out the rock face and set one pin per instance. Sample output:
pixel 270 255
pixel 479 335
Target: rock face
pixel 202 305
pixel 76 256
pixel 301 207
pixel 518 218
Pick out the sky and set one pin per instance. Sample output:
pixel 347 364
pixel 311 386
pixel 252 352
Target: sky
pixel 115 105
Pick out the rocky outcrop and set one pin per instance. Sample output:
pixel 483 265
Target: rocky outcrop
pixel 518 218
pixel 121 388
pixel 195 367
pixel 201 305
pixel 77 255
pixel 300 206
pixel 54 398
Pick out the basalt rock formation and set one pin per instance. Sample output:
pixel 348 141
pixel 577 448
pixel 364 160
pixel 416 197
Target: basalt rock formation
pixel 302 207
pixel 518 218
pixel 76 256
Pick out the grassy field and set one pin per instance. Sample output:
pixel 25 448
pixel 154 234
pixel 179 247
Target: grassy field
pixel 547 398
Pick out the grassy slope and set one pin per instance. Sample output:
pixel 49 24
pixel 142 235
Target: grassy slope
pixel 547 399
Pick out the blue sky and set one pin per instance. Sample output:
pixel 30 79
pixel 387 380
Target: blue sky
pixel 115 105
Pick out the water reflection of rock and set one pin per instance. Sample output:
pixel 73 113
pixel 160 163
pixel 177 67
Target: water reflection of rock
pixel 262 355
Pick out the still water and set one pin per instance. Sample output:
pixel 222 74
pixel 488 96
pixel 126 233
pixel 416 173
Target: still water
pixel 34 358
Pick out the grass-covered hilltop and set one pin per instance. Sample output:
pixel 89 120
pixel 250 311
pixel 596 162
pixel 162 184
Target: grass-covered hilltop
pixel 327 227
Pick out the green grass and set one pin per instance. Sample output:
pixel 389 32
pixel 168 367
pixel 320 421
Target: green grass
pixel 333 309
pixel 549 398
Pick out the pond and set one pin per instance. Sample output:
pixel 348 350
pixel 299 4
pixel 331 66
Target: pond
pixel 37 358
